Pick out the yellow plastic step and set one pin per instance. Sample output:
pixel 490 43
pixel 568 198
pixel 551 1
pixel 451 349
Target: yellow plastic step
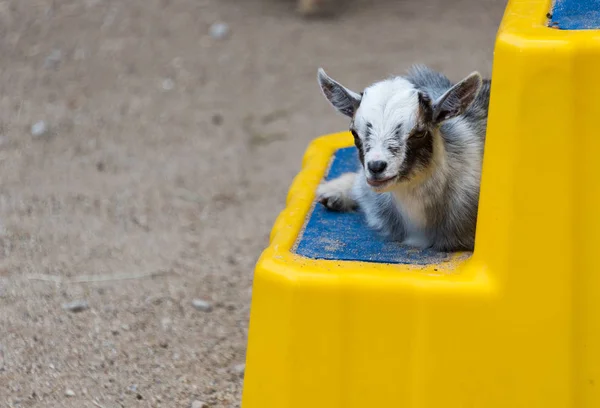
pixel 342 319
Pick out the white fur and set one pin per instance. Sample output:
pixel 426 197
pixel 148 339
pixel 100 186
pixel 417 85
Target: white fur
pixel 386 105
pixel 340 189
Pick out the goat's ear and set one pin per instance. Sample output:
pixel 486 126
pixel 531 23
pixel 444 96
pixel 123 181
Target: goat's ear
pixel 457 99
pixel 342 98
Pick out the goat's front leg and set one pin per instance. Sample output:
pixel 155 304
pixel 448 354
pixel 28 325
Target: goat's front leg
pixel 336 194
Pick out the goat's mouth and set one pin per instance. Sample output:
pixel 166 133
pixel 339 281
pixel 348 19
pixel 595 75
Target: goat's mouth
pixel 379 184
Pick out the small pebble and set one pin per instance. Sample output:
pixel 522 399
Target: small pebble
pixel 199 404
pixel 39 129
pixel 201 305
pixel 219 30
pixel 217 119
pixel 166 323
pixel 69 393
pixel 239 369
pixel 76 306
pixel 168 84
pixel 53 59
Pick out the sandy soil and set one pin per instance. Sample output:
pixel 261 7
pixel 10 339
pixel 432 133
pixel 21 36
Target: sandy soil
pixel 166 157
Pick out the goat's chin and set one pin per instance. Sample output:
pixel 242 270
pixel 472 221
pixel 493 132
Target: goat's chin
pixel 383 187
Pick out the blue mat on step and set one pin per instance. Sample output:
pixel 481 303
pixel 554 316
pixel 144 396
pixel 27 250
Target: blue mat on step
pixel 576 14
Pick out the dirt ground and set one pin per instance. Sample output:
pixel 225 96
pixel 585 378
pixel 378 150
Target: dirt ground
pixel 163 158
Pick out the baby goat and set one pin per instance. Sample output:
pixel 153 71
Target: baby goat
pixel 420 141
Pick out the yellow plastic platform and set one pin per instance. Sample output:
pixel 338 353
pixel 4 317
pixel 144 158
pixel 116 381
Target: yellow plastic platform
pixel 515 325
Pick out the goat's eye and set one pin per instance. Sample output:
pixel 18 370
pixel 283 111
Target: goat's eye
pixel 419 134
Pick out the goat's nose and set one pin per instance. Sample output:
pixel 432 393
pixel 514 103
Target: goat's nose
pixel 377 166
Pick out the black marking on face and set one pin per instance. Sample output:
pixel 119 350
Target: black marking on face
pixel 367 139
pixel 419 152
pixel 394 149
pixel 367 135
pixel 359 146
pixel 425 110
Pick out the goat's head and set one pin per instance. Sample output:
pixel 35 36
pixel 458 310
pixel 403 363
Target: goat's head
pixel 395 126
